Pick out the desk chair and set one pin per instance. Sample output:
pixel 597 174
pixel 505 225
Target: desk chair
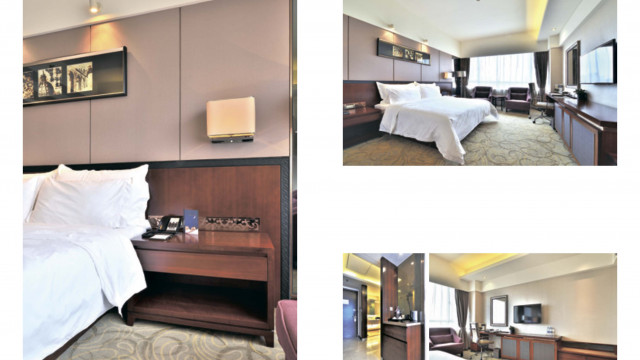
pixel 538 104
pixel 476 338
pixel 484 347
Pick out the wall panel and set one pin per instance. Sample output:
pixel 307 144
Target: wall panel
pixel 345 47
pixel 56 133
pixel 430 72
pixel 446 64
pixel 364 64
pixel 144 125
pixel 233 49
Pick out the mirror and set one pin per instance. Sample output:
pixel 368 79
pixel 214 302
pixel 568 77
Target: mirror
pixel 499 306
pixel 572 73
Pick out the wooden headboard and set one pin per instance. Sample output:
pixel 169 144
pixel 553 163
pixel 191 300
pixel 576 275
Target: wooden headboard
pixel 355 91
pixel 223 188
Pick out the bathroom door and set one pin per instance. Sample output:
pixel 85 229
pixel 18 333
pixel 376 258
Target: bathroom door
pixel 349 314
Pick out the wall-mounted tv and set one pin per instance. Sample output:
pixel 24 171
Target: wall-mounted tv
pixel 599 66
pixel 527 314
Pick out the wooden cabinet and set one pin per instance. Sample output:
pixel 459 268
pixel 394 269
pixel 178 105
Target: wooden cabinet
pixel 215 280
pixel 567 353
pixel 588 130
pixel 529 347
pixel 360 125
pixel 402 342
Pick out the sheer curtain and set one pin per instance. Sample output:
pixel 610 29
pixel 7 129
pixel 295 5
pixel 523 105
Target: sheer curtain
pixel 502 71
pixel 442 307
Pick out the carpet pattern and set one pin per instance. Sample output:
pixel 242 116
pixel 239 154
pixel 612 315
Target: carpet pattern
pixel 111 338
pixel 511 140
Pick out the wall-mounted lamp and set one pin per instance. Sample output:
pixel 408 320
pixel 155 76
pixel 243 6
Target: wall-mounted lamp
pixel 391 27
pixel 447 75
pixel 94 6
pixel 231 120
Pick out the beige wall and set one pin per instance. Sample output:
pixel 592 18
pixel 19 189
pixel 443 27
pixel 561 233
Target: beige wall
pixel 599 27
pixel 177 60
pixel 581 306
pixel 441 272
pixel 555 67
pixel 360 61
pixel 502 45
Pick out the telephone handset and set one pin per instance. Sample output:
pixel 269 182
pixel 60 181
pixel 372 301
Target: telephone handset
pixel 170 224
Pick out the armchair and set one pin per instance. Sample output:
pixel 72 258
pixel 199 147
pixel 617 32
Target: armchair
pixel 518 98
pixel 445 339
pixel 482 92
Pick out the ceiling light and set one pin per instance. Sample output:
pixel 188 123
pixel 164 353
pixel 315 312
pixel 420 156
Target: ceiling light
pixel 412 263
pixel 94 6
pixel 554 29
pixel 391 27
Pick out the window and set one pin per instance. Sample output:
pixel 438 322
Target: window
pixel 442 307
pixel 503 71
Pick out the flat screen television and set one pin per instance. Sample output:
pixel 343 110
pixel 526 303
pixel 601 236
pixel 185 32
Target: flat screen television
pixel 527 314
pixel 599 66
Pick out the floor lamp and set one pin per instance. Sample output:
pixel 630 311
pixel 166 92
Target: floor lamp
pixel 461 75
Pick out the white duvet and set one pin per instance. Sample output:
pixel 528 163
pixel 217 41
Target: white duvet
pixel 445 120
pixel 71 276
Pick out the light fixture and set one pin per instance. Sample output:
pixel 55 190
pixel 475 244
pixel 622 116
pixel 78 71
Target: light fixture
pixel 94 6
pixel 462 74
pixel 425 41
pixel 391 27
pixel 447 74
pixel 231 120
pixel 554 29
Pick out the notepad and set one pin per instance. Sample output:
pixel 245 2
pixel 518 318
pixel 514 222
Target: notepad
pixel 161 237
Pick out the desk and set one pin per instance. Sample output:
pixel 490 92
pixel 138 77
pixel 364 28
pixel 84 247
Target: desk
pixel 589 130
pixel 215 280
pixel 529 346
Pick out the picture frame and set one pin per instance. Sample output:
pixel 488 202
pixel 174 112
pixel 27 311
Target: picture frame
pixel 399 52
pixel 99 74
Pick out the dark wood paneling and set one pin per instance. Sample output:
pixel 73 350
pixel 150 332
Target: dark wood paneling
pixel 397 332
pixel 237 191
pixel 363 310
pixel 414 342
pixel 388 288
pixel 393 349
pixel 367 91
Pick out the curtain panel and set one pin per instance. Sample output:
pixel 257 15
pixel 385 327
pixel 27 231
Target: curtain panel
pixel 541 63
pixel 462 309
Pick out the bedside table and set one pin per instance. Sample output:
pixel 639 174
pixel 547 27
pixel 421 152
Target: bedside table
pixel 359 125
pixel 214 280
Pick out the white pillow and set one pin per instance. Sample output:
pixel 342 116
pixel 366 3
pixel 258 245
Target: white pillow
pixel 82 203
pixel 384 88
pixel 429 92
pixel 403 95
pixel 134 213
pixel 29 192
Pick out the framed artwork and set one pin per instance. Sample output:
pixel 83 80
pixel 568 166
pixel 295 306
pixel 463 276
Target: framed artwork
pixel 399 52
pixel 87 76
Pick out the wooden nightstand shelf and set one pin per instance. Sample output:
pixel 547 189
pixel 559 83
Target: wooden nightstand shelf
pixel 215 280
pixel 360 125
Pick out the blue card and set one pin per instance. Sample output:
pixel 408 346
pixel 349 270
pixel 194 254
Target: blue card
pixel 191 221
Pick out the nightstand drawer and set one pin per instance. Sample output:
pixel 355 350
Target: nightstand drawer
pixel 397 332
pixel 214 265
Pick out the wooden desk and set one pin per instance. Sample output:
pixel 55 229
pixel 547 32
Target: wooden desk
pixel 215 280
pixel 589 130
pixel 359 125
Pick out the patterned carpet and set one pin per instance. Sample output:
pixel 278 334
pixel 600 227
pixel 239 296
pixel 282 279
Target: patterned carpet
pixel 512 140
pixel 111 338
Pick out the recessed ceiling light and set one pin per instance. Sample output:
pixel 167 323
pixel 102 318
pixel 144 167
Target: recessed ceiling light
pixel 554 29
pixel 391 27
pixel 94 6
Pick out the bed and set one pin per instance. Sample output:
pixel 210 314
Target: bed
pixel 78 260
pixel 441 355
pixel 444 120
pixel 419 111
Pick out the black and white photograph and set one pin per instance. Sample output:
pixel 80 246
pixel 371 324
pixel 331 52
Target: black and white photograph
pixel 27 85
pixel 50 81
pixel 80 77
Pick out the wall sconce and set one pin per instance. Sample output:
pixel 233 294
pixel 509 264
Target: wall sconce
pixel 231 120
pixel 94 6
pixel 447 75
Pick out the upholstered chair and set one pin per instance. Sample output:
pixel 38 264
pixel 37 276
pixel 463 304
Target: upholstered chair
pixel 518 98
pixel 482 92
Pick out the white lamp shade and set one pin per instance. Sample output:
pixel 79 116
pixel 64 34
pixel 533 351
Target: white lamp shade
pixel 231 117
pixel 461 73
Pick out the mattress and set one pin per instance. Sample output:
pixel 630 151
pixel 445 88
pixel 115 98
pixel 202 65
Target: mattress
pixel 71 276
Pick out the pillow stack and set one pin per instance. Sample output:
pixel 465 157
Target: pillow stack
pixel 110 198
pixel 402 93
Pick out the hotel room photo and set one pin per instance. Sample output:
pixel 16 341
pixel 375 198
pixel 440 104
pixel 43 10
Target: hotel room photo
pixel 480 82
pixel 522 306
pixel 159 180
pixel 383 306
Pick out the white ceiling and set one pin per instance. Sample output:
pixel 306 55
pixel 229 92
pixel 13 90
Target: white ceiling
pixel 45 16
pixel 395 259
pixel 556 16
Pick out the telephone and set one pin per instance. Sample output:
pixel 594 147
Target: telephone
pixel 171 224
